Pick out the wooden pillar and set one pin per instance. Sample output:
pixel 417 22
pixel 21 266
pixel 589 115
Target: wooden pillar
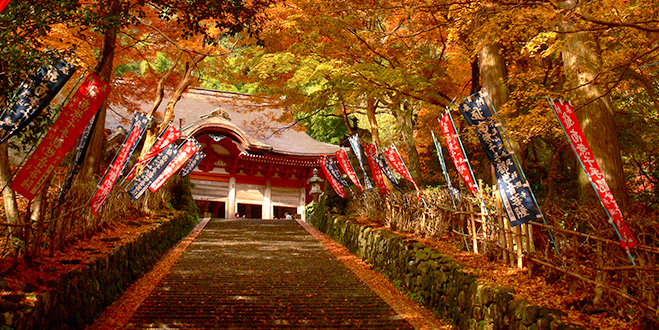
pixel 231 206
pixel 472 222
pixel 520 247
pixel 303 203
pixel 267 201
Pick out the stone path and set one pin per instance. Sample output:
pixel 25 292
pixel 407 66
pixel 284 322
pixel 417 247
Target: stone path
pixel 264 274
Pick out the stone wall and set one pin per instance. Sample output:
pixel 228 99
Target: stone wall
pixel 81 296
pixel 437 282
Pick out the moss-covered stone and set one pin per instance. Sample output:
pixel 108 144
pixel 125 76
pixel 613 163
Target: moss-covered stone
pixel 80 296
pixel 438 279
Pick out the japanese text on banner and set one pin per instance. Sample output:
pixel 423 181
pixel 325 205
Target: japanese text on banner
pixel 516 198
pixel 338 188
pixel 61 137
pixel 565 114
pixel 371 153
pixel 455 151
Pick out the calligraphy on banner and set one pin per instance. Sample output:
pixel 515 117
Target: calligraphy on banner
pixel 394 158
pixel 192 163
pixel 356 148
pixel 81 149
pixel 119 163
pixel 382 164
pixel 345 164
pixel 168 136
pixel 61 137
pixel 336 185
pixel 34 95
pixel 515 196
pixel 152 171
pixel 455 151
pixel 185 152
pixel 371 153
pixel 568 120
pixel 455 193
pixel 334 171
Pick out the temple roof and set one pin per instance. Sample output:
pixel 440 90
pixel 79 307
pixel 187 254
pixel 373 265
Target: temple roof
pixel 249 121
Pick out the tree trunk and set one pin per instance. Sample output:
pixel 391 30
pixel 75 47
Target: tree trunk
pixel 403 112
pixel 151 134
pixel 594 111
pixel 180 89
pixel 371 107
pixel 493 72
pixel 103 70
pixel 8 194
pixel 475 76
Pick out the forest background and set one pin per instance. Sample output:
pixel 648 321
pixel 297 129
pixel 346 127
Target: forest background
pixel 392 66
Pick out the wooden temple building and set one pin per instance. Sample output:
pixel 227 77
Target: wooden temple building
pixel 255 166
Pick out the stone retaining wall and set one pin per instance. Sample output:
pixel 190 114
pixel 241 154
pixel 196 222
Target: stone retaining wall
pixel 80 296
pixel 437 282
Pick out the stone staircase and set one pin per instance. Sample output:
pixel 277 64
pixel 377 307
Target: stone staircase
pixel 261 274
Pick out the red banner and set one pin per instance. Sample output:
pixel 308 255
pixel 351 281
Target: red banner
pixel 112 174
pixel 170 135
pixel 394 158
pixel 375 169
pixel 187 150
pixel 3 4
pixel 342 156
pixel 61 137
pixel 456 153
pixel 567 118
pixel 167 137
pixel 333 182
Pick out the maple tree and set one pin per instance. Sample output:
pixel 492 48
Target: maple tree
pixel 23 25
pixel 197 17
pixel 356 58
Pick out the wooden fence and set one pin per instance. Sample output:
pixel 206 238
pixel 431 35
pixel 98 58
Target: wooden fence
pixel 586 245
pixel 59 224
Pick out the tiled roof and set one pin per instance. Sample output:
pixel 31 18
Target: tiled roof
pixel 251 121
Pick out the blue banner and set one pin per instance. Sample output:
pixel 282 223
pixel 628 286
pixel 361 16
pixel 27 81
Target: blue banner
pixel 515 196
pixel 81 149
pixel 382 163
pixel 455 193
pixel 35 94
pixel 356 148
pixel 152 171
pixel 334 171
pixel 479 117
pixel 192 163
pixel 140 122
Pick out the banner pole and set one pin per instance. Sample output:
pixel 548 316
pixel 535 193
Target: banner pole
pixel 408 171
pixel 457 137
pixel 521 170
pixel 41 136
pixel 154 143
pixel 11 102
pixel 471 171
pixel 440 156
pixel 591 183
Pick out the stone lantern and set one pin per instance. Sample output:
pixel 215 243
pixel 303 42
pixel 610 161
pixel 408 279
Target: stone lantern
pixel 315 181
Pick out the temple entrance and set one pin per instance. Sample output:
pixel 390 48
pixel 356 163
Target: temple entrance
pixel 280 211
pixel 211 208
pixel 250 211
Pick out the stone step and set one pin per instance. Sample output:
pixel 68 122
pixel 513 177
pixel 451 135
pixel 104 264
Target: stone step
pixel 261 274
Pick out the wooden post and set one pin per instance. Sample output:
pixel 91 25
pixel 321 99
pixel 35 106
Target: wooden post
pixel 482 208
pixel 520 254
pixel 529 237
pixel 501 227
pixel 472 221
